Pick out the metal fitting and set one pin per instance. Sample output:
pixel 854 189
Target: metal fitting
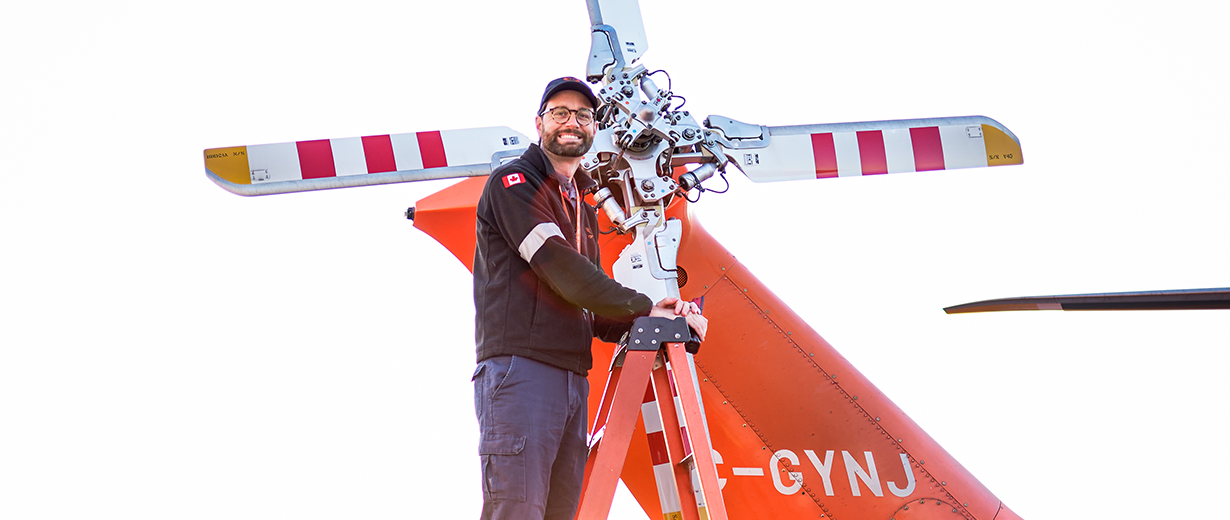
pixel 693 178
pixel 607 201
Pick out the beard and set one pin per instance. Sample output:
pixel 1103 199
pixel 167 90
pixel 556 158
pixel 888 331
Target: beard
pixel 551 143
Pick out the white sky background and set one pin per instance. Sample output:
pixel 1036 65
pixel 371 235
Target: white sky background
pixel 170 350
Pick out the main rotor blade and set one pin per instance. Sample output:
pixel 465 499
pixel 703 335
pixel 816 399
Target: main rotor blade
pixel 1125 301
pixel 625 17
pixel 870 148
pixel 324 164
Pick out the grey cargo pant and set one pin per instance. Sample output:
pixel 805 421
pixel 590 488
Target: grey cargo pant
pixel 532 433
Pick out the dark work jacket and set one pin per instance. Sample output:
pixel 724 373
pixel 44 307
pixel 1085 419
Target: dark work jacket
pixel 535 294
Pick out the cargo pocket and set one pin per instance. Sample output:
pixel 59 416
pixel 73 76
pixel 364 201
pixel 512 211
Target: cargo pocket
pixel 503 466
pixel 478 392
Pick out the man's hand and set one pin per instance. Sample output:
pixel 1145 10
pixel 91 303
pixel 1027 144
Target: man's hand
pixel 698 323
pixel 671 307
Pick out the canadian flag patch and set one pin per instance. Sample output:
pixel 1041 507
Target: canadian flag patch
pixel 513 179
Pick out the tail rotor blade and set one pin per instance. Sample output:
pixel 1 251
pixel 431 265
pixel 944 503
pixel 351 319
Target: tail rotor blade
pixel 779 153
pixel 361 161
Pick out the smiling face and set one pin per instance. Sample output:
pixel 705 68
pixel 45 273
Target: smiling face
pixel 568 139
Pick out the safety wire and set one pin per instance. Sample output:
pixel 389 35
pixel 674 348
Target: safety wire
pixel 668 77
pixel 722 173
pixel 701 189
pixel 669 90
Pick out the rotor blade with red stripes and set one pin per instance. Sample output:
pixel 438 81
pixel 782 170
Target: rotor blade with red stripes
pixel 782 153
pixel 1124 301
pixel 324 164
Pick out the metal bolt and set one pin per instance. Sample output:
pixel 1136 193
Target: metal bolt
pixel 647 185
pixel 640 330
pixel 813 354
pixel 638 342
pixel 657 330
pixel 877 418
pixel 677 335
pixel 943 483
pixel 653 342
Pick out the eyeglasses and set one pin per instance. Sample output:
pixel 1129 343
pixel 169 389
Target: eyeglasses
pixel 561 115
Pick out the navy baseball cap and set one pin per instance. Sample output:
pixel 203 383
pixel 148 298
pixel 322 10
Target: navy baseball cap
pixel 567 83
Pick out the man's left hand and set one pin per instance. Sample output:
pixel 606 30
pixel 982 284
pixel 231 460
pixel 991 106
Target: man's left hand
pixel 671 307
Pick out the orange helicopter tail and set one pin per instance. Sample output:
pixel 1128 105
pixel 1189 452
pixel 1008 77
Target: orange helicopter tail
pixel 797 431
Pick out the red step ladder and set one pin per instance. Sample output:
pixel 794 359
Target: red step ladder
pixel 674 422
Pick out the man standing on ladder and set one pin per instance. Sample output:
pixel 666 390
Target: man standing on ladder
pixel 540 297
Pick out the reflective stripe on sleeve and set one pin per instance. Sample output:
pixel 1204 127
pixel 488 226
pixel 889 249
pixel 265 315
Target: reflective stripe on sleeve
pixel 537 237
